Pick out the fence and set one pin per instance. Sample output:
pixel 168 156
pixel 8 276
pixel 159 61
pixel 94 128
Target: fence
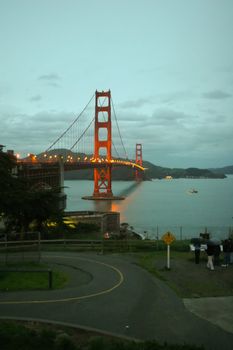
pixel 182 232
pixel 14 251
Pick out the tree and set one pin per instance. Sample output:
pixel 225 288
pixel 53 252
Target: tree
pixel 20 205
pixel 8 182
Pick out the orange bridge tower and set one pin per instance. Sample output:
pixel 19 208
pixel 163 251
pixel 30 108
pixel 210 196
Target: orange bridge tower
pixel 103 145
pixel 138 160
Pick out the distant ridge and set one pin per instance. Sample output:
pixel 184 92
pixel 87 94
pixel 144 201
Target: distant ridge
pixel 155 171
pixel 128 174
pixel 225 170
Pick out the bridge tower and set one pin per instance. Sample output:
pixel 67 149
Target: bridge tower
pixel 138 160
pixel 103 126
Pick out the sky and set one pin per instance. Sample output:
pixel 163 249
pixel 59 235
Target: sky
pixel 168 64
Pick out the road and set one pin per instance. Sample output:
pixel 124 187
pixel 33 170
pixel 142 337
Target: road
pixel 110 293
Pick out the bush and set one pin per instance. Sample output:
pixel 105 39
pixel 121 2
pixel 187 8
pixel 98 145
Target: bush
pixel 18 336
pixel 64 342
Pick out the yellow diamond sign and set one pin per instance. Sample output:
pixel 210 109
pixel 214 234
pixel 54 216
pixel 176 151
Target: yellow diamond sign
pixel 168 237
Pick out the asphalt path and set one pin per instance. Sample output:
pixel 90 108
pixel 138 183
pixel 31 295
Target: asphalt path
pixel 110 293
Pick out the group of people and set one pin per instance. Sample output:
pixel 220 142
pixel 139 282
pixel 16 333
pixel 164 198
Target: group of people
pixel 213 252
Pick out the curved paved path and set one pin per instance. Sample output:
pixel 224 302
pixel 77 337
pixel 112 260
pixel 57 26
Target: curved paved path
pixel 112 294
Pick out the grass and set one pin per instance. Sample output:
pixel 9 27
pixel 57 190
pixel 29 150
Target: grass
pixel 16 281
pixel 187 279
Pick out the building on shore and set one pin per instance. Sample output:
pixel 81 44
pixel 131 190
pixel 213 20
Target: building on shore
pixel 106 221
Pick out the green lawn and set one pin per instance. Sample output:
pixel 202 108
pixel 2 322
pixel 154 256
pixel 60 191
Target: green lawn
pixel 186 278
pixel 15 281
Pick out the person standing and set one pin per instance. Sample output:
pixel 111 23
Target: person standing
pixel 231 250
pixel 227 252
pixel 217 251
pixel 197 250
pixel 210 254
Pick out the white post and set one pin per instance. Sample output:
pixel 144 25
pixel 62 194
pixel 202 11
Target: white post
pixel 168 256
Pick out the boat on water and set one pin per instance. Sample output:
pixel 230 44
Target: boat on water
pixel 193 190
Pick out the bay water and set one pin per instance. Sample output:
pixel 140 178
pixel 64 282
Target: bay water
pixel 155 207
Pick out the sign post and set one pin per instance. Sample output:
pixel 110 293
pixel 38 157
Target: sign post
pixel 168 256
pixel 168 238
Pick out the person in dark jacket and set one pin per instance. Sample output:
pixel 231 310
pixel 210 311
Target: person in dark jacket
pixel 231 253
pixel 227 252
pixel 217 251
pixel 197 250
pixel 210 253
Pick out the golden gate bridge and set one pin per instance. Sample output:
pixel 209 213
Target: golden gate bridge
pixel 76 144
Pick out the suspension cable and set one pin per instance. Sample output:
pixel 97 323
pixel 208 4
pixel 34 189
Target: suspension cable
pixel 89 127
pixel 82 134
pixel 76 119
pixel 117 154
pixel 118 129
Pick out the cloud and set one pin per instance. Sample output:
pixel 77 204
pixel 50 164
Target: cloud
pixel 218 119
pixel 170 137
pixel 174 138
pixel 36 132
pixel 160 130
pixel 35 98
pixel 136 103
pixel 160 98
pixel 216 95
pixel 49 77
pixel 165 117
pixel 227 68
pixel 52 79
pixel 33 132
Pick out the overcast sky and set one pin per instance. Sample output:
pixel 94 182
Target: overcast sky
pixel 168 63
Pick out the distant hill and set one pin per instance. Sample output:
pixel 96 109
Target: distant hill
pixel 225 170
pixel 155 171
pixel 126 174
